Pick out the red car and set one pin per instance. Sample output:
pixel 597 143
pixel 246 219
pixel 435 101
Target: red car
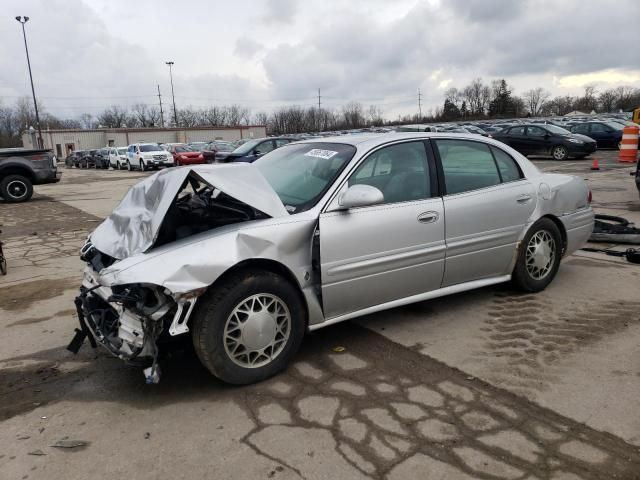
pixel 184 155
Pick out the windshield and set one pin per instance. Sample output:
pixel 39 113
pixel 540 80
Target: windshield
pixel 301 173
pixel 247 147
pixel 558 130
pixel 224 147
pixel 183 148
pixel 150 148
pixel 122 151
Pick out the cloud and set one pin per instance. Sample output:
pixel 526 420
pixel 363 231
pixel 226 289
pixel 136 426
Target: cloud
pixel 281 11
pixel 246 47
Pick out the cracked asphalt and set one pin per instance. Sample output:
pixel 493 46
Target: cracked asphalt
pixel 484 385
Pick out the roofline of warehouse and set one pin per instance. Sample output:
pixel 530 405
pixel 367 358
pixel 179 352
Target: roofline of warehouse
pixel 150 129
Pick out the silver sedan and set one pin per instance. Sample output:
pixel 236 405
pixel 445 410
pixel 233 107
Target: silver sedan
pixel 247 258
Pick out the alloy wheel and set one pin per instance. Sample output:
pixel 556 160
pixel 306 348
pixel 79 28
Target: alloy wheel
pixel 17 189
pixel 559 153
pixel 257 330
pixel 541 254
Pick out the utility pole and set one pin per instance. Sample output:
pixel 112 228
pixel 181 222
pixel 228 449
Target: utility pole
pixel 175 112
pixel 22 21
pixel 420 104
pixel 161 113
pixel 319 110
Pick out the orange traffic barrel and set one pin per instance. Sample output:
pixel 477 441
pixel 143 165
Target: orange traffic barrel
pixel 629 145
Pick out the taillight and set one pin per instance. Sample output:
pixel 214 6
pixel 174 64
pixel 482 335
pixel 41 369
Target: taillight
pixel 589 197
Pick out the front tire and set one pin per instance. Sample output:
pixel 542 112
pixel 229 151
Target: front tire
pixel 142 166
pixel 560 152
pixel 249 327
pixel 539 257
pixel 16 188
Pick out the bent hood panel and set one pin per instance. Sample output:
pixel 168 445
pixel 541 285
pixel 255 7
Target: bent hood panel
pixel 134 224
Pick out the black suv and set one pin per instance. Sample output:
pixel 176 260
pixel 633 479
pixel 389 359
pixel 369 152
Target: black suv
pixel 101 158
pixel 546 140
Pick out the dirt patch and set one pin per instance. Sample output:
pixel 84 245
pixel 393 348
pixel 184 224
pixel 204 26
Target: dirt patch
pixel 32 320
pixel 99 176
pixel 23 295
pixel 43 215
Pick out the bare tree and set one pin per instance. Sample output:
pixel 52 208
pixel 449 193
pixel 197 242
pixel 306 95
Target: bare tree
pixel 113 117
pixel 188 117
pixel 145 116
pixel 607 100
pixel 535 99
pixel 87 121
pixel 454 96
pixel 352 115
pixel 374 116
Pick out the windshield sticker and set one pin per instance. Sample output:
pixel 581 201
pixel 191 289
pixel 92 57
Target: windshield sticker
pixel 316 152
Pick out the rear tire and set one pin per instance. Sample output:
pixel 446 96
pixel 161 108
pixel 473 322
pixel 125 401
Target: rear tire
pixel 249 327
pixel 538 257
pixel 16 188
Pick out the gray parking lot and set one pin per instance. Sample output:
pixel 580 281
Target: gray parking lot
pixel 487 384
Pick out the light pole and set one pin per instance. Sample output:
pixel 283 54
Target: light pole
pixel 175 112
pixel 22 21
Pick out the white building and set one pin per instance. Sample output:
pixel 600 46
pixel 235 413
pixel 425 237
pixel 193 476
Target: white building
pixel 64 141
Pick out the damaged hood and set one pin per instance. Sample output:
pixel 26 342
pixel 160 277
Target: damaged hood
pixel 133 226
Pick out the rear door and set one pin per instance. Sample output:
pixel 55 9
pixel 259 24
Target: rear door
pixel 379 253
pixel 487 204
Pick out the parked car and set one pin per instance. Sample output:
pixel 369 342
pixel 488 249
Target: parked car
pixel 252 150
pixel 606 134
pixel 101 158
pixel 118 157
pixel 22 168
pixel 197 146
pixel 185 155
pixel 88 159
pixel 145 156
pixel 247 271
pixel 416 128
pixel 72 159
pixel 546 140
pixel 210 150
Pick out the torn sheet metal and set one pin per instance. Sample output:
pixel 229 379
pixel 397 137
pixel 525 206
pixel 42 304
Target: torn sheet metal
pixel 133 226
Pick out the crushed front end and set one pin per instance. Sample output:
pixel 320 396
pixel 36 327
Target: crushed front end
pixel 127 320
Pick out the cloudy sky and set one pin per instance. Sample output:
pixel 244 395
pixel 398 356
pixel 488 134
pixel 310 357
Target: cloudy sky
pixel 89 54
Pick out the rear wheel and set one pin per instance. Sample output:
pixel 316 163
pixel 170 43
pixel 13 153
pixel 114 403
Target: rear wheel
pixel 249 327
pixel 560 152
pixel 16 188
pixel 539 257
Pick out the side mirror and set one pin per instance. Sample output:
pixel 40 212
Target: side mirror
pixel 257 152
pixel 360 196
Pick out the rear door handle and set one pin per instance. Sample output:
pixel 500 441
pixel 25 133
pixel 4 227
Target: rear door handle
pixel 523 199
pixel 428 217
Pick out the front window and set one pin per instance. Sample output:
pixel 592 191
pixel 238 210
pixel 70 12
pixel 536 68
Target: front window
pixel 150 148
pixel 301 173
pixel 536 132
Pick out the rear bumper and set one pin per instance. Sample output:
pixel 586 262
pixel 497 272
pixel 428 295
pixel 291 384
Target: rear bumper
pixel 47 176
pixel 579 226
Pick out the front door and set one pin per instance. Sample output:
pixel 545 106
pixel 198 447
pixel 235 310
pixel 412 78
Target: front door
pixel 537 141
pixel 376 254
pixel 487 204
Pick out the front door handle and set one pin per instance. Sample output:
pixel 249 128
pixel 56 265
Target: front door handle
pixel 523 199
pixel 428 217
